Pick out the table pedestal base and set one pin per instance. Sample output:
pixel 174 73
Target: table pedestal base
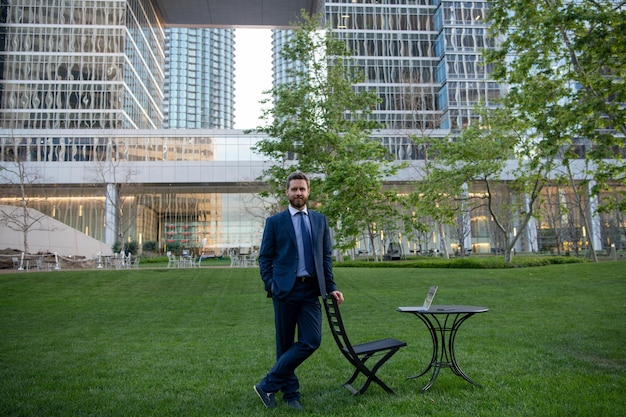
pixel 443 329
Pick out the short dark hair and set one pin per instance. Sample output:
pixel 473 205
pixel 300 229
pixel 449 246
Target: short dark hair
pixel 298 176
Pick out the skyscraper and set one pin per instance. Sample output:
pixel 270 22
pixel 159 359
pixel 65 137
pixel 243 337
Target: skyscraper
pixel 82 64
pixel 423 59
pixel 281 66
pixel 199 78
pixel 83 100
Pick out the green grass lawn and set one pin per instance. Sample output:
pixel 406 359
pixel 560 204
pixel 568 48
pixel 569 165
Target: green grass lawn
pixel 192 342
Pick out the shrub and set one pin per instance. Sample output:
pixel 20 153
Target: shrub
pixel 150 246
pixel 474 262
pixel 173 247
pixel 132 247
pixel 117 247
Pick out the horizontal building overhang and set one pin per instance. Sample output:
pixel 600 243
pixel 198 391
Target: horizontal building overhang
pixel 233 13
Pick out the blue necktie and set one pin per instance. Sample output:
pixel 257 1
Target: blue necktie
pixel 309 263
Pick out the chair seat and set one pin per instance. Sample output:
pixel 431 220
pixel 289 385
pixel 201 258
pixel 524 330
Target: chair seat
pixel 377 345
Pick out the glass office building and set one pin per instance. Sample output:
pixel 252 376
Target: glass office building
pixel 107 112
pixel 280 66
pixel 81 64
pixel 199 78
pixel 87 88
pixel 423 59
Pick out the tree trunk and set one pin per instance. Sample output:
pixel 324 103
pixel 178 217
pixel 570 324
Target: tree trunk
pixel 442 240
pixel 508 255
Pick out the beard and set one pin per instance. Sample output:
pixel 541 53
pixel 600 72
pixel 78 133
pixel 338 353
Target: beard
pixel 298 202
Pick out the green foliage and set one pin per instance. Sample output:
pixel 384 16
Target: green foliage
pixel 488 152
pixel 565 63
pixel 132 247
pixel 356 200
pixel 151 246
pixel 565 69
pixel 319 125
pixel 174 247
pixel 491 262
pixel 316 109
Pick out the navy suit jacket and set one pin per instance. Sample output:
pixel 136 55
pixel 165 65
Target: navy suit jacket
pixel 278 256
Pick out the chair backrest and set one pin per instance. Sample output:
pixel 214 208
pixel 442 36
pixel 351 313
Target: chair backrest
pixel 337 327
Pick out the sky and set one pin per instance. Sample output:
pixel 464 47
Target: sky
pixel 253 74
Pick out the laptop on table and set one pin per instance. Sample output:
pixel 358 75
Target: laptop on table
pixel 427 302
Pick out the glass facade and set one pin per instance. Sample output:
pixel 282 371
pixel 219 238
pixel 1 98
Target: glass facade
pixel 176 188
pixel 199 78
pixel 421 57
pixel 83 64
pixel 281 67
pixel 463 76
pixel 174 217
pixel 130 146
pixel 393 45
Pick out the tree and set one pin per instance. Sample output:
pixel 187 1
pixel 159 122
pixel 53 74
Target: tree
pixel 21 218
pixel 433 197
pixel 150 247
pixel 498 154
pixel 614 217
pixel 359 203
pixel 463 228
pixel 319 125
pixel 552 211
pixel 580 196
pixel 565 64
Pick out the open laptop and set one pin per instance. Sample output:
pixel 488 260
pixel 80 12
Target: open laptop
pixel 427 302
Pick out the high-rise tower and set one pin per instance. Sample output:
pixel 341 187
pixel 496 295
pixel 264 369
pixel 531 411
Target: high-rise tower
pixel 199 78
pixel 84 64
pixel 423 59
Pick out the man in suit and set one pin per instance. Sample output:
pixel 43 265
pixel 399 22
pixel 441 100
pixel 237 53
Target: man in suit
pixel 295 262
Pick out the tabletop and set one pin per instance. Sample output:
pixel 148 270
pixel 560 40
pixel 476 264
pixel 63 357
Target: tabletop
pixel 444 309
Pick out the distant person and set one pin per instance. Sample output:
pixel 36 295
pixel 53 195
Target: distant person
pixel 295 261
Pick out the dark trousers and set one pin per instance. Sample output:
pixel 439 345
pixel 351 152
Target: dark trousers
pixel 301 309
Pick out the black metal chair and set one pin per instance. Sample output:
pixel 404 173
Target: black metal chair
pixel 358 355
